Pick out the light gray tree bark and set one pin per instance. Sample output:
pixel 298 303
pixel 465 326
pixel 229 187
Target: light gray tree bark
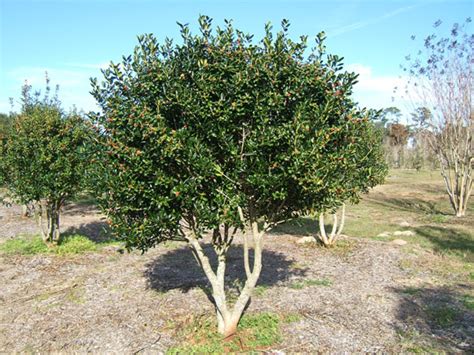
pixel 228 316
pixel 337 226
pixel 48 216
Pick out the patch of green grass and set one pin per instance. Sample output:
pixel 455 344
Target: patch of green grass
pixel 54 298
pixel 438 218
pixel 383 239
pixel 24 246
pixel 447 241
pixel 291 317
pixel 368 219
pixel 468 302
pixel 443 316
pixel 75 244
pixel 199 336
pixel 298 285
pixel 260 290
pixel 412 341
pixel 263 329
pixel 31 245
pixel 419 349
pixel 255 332
pixel 211 347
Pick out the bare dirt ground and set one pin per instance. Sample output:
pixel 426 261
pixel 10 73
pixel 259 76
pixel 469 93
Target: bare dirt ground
pixel 378 298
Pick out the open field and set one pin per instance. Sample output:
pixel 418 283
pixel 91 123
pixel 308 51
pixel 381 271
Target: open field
pixel 369 293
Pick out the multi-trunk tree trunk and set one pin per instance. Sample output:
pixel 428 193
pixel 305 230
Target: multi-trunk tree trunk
pixel 453 145
pixel 337 226
pixel 47 214
pixel 457 162
pixel 228 315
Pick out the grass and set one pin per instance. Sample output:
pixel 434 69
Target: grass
pixel 255 332
pixel 342 247
pixel 291 318
pixel 298 285
pixel 447 241
pixel 439 218
pixel 24 246
pixel 443 315
pixel 75 244
pixel 468 302
pixel 418 198
pixel 414 342
pixel 262 329
pixel 408 195
pixel 260 290
pixel 32 245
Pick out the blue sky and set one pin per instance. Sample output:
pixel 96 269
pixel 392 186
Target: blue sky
pixel 73 39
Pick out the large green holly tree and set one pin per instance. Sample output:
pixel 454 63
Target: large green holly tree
pixel 43 158
pixel 221 133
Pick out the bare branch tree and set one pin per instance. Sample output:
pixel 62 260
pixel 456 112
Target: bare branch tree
pixel 441 79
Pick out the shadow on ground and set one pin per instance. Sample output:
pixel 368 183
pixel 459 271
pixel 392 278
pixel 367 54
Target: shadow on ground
pixel 436 319
pixel 80 208
pixel 435 187
pixel 412 205
pixel 303 226
pixel 177 269
pixel 98 232
pixel 449 240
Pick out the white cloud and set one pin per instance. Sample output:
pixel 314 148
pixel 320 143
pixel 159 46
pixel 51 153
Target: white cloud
pixel 377 91
pixel 370 82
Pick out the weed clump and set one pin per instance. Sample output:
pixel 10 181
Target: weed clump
pixel 255 332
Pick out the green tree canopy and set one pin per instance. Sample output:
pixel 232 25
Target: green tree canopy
pixel 218 133
pixel 44 158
